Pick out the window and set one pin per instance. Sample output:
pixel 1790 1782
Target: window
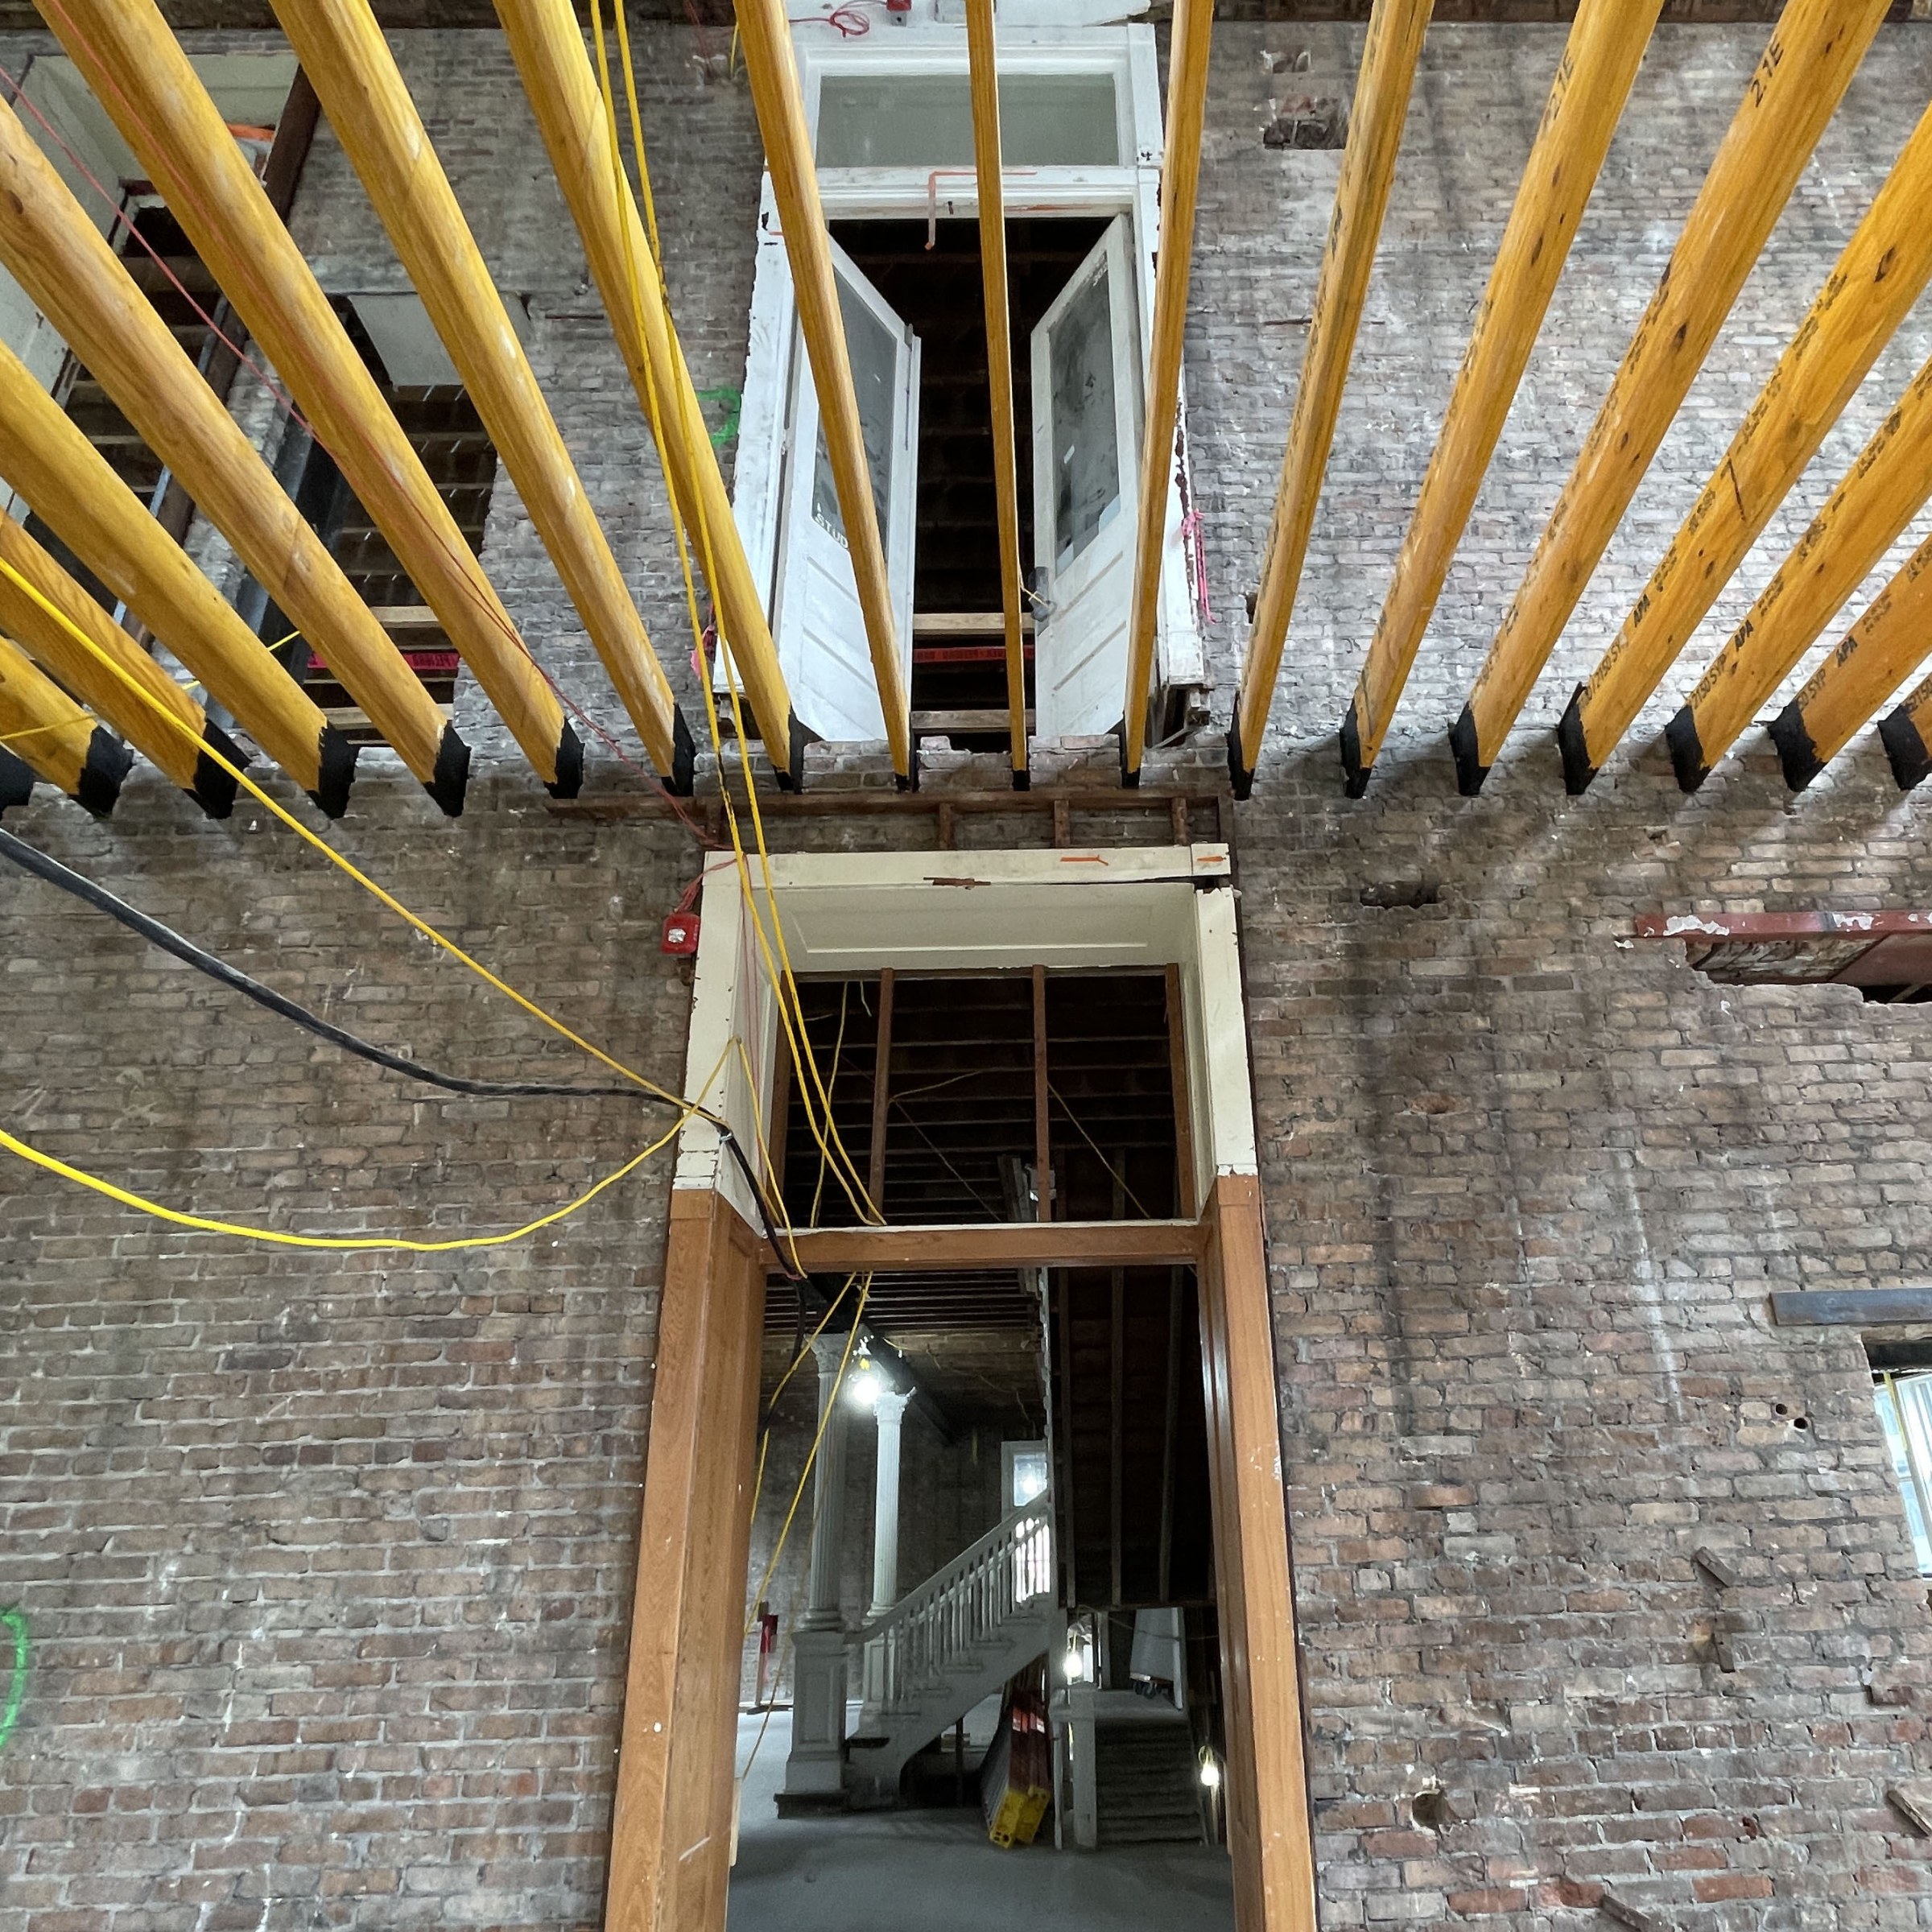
pixel 1081 116
pixel 1905 1413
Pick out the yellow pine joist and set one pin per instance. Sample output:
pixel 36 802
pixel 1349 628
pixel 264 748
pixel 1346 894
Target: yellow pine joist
pixel 44 727
pixel 1864 516
pixel 1813 52
pixel 1599 64
pixel 1891 639
pixel 67 270
pixel 1869 291
pixel 1192 37
pixel 1381 109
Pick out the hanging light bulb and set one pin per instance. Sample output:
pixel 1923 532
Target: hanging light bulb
pixel 867 1384
pixel 1210 1771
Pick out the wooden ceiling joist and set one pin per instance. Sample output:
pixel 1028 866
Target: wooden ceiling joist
pixel 547 43
pixel 1192 40
pixel 1813 53
pixel 44 727
pixel 67 270
pixel 51 644
pixel 1593 80
pixel 983 72
pixel 138 73
pixel 1868 294
pixel 772 70
pixel 47 458
pixel 1884 490
pixel 345 55
pixel 1890 639
pixel 1390 53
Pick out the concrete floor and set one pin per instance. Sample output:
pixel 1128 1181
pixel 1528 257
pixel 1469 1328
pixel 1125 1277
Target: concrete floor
pixel 936 1870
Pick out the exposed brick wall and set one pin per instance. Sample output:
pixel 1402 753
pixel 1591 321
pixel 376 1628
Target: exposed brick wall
pixel 327 1560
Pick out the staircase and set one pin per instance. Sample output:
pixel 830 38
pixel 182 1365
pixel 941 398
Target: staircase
pixel 1148 1783
pixel 956 1640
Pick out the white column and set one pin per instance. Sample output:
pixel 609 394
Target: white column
pixel 891 1413
pixel 828 1493
pixel 815 1770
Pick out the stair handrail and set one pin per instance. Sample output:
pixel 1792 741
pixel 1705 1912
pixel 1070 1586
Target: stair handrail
pixel 1006 1577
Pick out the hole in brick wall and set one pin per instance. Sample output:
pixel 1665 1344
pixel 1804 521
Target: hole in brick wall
pixel 1801 1421
pixel 1424 891
pixel 1781 1409
pixel 1306 121
pixel 1431 1810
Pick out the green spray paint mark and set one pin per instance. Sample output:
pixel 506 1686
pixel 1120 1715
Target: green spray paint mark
pixel 731 401
pixel 14 1620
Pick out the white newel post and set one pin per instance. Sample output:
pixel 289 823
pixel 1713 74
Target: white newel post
pixel 816 1765
pixel 891 1412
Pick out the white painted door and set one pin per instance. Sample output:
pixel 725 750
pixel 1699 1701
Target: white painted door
pixel 817 623
pixel 1086 433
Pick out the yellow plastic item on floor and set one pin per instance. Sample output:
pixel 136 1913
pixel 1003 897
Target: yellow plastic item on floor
pixel 1018 1817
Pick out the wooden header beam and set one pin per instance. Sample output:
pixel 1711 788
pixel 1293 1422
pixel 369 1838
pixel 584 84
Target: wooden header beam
pixel 138 73
pixel 1881 494
pixel 1599 64
pixel 772 70
pixel 67 269
pixel 44 727
pixel 1866 296
pixel 1813 53
pixel 984 69
pixel 1193 36
pixel 344 53
pixel 1850 1307
pixel 48 459
pixel 939 1250
pixel 1890 641
pixel 52 645
pixel 1382 88
pixel 548 46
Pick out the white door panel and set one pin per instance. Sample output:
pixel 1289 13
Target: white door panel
pixel 1087 410
pixel 818 625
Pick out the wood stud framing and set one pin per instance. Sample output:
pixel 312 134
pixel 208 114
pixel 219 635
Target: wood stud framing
pixel 1192 39
pixel 1868 294
pixel 1599 63
pixel 773 71
pixel 1393 45
pixel 985 79
pixel 1880 496
pixel 1814 51
pixel 141 75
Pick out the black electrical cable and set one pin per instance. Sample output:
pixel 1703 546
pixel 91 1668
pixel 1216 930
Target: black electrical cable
pixel 31 859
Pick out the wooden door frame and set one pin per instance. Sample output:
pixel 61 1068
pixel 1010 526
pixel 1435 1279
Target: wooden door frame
pixel 672 1825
